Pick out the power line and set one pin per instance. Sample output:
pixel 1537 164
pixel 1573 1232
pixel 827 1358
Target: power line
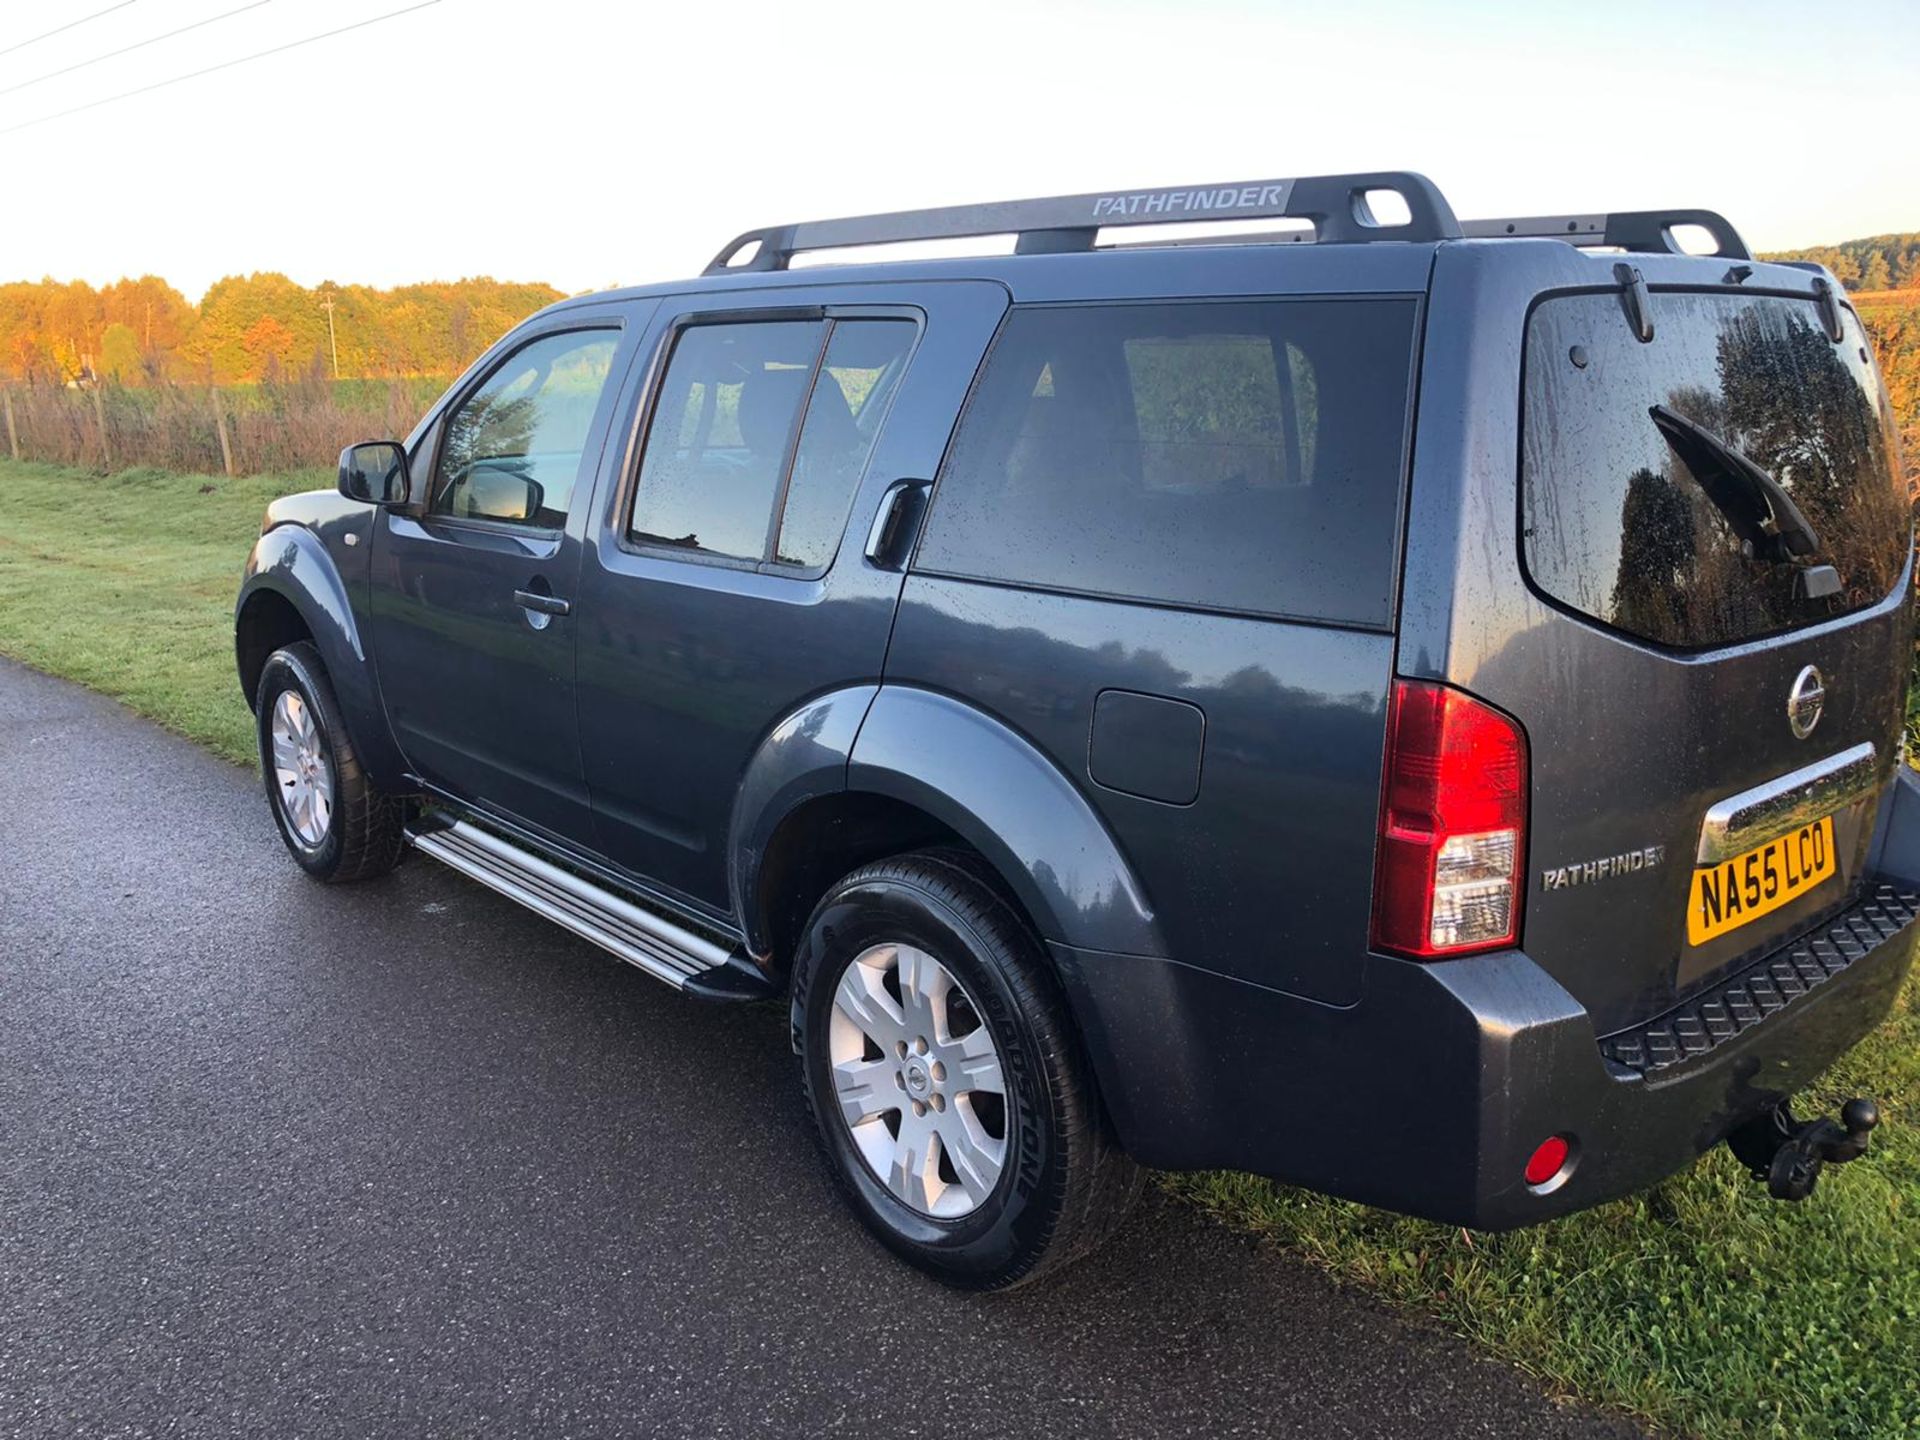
pixel 137 45
pixel 61 29
pixel 211 69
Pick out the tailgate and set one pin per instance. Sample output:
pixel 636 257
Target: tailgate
pixel 1713 694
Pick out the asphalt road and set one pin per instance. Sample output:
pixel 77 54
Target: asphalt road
pixel 401 1158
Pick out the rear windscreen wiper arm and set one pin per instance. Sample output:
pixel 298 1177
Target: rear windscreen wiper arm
pixel 1761 512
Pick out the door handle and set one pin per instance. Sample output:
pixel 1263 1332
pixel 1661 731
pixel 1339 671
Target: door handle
pixel 545 604
pixel 895 525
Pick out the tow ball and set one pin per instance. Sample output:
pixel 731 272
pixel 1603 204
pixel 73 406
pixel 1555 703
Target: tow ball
pixel 1788 1154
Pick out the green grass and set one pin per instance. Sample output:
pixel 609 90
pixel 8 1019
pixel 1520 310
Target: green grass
pixel 126 583
pixel 1703 1306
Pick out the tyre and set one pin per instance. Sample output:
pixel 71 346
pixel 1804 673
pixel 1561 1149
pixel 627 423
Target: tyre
pixel 949 1088
pixel 336 825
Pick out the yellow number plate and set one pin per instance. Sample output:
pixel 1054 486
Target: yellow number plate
pixel 1738 891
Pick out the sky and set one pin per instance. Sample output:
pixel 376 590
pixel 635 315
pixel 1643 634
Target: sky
pixel 587 143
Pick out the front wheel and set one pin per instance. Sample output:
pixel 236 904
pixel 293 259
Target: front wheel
pixel 334 822
pixel 946 1080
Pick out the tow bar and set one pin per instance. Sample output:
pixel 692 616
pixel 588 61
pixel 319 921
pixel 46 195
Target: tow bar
pixel 1788 1154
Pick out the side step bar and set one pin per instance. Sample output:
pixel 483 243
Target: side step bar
pixel 655 944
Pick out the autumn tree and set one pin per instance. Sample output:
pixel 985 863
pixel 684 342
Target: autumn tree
pixel 120 356
pixel 158 314
pixel 247 325
pixel 268 346
pixel 231 340
pixel 1880 262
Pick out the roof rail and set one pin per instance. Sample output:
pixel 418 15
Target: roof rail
pixel 1641 230
pixel 1336 204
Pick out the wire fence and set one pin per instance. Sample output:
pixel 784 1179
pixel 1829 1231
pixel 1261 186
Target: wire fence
pixel 234 429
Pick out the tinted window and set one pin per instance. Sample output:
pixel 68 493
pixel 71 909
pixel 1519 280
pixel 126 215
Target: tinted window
pixel 722 428
pixel 1638 521
pixel 515 447
pixel 864 362
pixel 1241 456
pixel 716 476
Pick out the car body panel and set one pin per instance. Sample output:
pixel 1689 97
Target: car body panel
pixel 478 689
pixel 687 666
pixel 1011 802
pixel 1267 875
pixel 313 553
pixel 804 758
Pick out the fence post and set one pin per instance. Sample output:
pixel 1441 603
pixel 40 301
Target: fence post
pixel 13 431
pixel 220 424
pixel 100 419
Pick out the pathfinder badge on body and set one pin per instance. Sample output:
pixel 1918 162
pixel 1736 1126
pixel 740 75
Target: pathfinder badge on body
pixel 1588 871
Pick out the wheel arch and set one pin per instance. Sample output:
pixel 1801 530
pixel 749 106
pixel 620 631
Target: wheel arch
pixel 264 622
pixel 291 591
pixel 874 771
pixel 817 842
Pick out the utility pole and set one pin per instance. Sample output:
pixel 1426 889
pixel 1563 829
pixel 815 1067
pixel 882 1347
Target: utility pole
pixel 332 343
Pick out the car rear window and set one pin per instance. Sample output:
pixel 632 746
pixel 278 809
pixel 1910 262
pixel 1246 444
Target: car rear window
pixel 1628 522
pixel 1233 455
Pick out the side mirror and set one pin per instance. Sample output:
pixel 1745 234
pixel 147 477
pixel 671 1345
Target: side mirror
pixel 500 491
pixel 375 473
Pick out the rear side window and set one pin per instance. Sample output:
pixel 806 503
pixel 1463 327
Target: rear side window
pixel 761 434
pixel 1241 455
pixel 1636 507
pixel 864 362
pixel 728 409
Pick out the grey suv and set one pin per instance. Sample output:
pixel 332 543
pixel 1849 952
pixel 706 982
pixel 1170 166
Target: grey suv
pixel 1415 714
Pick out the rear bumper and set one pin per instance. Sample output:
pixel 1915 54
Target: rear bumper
pixel 1429 1095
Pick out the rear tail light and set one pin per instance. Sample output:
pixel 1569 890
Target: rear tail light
pixel 1453 825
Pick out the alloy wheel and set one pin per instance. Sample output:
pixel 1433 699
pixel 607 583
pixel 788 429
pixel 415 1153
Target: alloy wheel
pixel 918 1081
pixel 304 778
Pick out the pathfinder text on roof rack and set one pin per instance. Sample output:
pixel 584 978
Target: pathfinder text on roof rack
pixel 1161 202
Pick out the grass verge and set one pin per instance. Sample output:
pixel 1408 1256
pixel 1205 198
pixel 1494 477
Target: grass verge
pixel 1702 1306
pixel 126 584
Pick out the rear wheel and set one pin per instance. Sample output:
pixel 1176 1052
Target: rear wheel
pixel 334 822
pixel 945 1078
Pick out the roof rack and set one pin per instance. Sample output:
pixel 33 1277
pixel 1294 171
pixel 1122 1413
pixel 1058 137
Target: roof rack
pixel 1335 204
pixel 1640 230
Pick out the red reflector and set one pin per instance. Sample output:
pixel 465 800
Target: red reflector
pixel 1547 1160
pixel 1453 817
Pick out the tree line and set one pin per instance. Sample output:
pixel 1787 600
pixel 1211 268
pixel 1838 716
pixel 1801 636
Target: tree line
pixel 250 328
pixel 144 334
pixel 1894 323
pixel 1880 262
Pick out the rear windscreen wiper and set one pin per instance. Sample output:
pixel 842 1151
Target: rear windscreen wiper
pixel 1762 514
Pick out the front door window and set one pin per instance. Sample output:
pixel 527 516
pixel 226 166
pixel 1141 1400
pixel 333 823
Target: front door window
pixel 515 448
